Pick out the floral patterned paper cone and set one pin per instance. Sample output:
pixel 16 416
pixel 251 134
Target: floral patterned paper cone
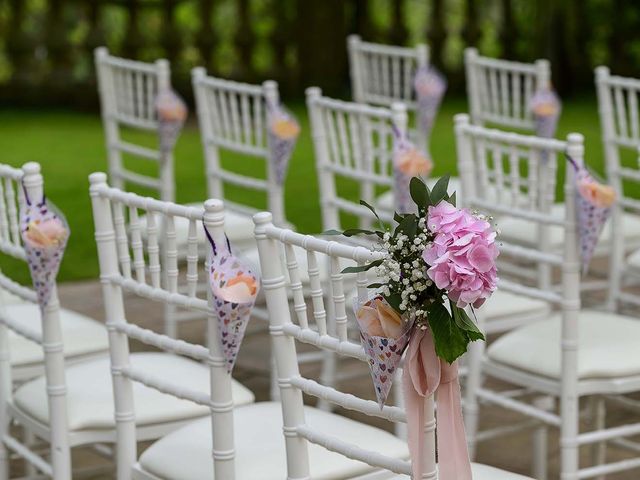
pixel 430 86
pixel 172 113
pixel 546 107
pixel 593 207
pixel 234 288
pixel 283 134
pixel 408 162
pixel 44 232
pixel 384 335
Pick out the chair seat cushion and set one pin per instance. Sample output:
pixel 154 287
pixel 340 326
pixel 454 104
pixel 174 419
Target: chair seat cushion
pixel 239 228
pixel 90 397
pixel 81 335
pixel 185 454
pixel 483 472
pixel 607 346
pixel 504 304
pixel 385 201
pixel 524 232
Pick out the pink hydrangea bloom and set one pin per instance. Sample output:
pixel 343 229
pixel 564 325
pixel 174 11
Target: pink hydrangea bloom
pixel 462 256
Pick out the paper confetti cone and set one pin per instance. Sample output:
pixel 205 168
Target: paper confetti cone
pixel 172 113
pixel 283 134
pixel 234 288
pixel 430 86
pixel 593 208
pixel 44 231
pixel 408 162
pixel 384 341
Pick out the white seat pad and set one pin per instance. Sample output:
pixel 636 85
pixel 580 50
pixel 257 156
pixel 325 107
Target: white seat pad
pixel 81 335
pixel 525 232
pixel 386 202
pixel 483 472
pixel 633 260
pixel 90 398
pixel 238 226
pixel 607 346
pixel 185 454
pixel 506 304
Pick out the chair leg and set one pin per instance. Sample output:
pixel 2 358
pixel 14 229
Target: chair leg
pixel 274 387
pixel 540 441
pixel 598 419
pixel 473 383
pixel 329 360
pixel 398 397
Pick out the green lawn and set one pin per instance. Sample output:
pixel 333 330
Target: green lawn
pixel 70 146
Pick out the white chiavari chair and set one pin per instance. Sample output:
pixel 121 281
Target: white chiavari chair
pixel 575 354
pixel 128 91
pixel 356 450
pixel 84 338
pixel 618 108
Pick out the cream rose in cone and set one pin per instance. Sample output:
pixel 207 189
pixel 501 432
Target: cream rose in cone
pixel 240 289
pixel 46 233
pixel 285 128
pixel 413 163
pixel 597 194
pixel 378 319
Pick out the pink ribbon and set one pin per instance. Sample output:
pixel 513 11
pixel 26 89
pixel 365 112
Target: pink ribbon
pixel 424 374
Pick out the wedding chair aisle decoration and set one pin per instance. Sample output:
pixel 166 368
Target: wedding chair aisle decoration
pixel 388 331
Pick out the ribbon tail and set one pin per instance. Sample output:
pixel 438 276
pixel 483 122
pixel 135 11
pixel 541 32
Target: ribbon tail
pixel 453 459
pixel 415 420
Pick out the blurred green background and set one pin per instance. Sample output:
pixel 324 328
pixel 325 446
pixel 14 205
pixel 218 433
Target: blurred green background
pixel 48 98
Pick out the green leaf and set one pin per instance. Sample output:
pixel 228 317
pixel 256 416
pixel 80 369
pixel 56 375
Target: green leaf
pixel 408 226
pixel 419 193
pixel 465 323
pixel 397 217
pixel 375 285
pixel 439 191
pixel 373 210
pixel 450 341
pixel 332 232
pixel 452 199
pixel 350 232
pixel 363 268
pixel 394 300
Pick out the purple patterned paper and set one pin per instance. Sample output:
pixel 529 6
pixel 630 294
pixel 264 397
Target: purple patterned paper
pixel 408 162
pixel 430 86
pixel 172 113
pixel 45 232
pixel 283 134
pixel 546 107
pixel 234 288
pixel 384 353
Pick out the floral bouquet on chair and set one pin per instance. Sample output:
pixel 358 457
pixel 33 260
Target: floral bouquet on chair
pixel 437 262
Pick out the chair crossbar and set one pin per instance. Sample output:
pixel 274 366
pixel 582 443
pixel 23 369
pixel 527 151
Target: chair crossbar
pixel 315 244
pixel 149 204
pixel 241 180
pixel 17 326
pixel 326 342
pixel 235 146
pixel 159 384
pixel 630 203
pixel 348 401
pixel 230 85
pixel 357 209
pixel 334 444
pixel 609 468
pixel 523 123
pixel 141 67
pixel 588 438
pixel 239 208
pixel 386 100
pixel 163 342
pixel 514 212
pixel 389 50
pixel 552 297
pixel 624 82
pixel 158 294
pixel 355 108
pixel 14 174
pixel 27 454
pixel 517 270
pixel 138 178
pixel 509 65
pixel 16 251
pixel 506 430
pixel 515 139
pixel 131 121
pixel 23 292
pixel 359 175
pixel 137 150
pixel 518 406
pixel 530 254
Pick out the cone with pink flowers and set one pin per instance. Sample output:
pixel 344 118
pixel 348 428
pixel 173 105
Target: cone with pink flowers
pixel 430 86
pixel 283 134
pixel 172 113
pixel 408 162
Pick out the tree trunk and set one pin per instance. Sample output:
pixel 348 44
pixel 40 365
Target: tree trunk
pixel 398 33
pixel 437 33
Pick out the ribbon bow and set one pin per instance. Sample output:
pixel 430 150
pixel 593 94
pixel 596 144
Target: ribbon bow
pixel 424 374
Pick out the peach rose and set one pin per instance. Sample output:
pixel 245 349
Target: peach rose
pixel 48 233
pixel 377 318
pixel 413 163
pixel 545 109
pixel 285 129
pixel 597 194
pixel 239 289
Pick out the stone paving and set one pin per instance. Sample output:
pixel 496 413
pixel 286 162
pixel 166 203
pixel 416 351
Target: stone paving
pixel 511 453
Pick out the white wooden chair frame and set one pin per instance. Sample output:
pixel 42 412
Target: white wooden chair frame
pixel 128 91
pixel 232 117
pixel 499 91
pixel 620 125
pixel 117 276
pixel 382 75
pixel 568 388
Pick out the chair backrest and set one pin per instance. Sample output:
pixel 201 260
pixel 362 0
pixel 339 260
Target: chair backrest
pixel 620 125
pixel 271 240
pixel 128 91
pixel 126 265
pixel 14 184
pixel 499 91
pixel 383 74
pixel 352 142
pixel 233 118
pixel 521 165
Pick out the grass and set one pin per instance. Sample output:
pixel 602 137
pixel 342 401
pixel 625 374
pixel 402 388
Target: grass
pixel 70 146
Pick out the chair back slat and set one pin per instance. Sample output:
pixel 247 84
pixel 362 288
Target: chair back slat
pixel 271 240
pixel 500 91
pixel 159 281
pixel 233 118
